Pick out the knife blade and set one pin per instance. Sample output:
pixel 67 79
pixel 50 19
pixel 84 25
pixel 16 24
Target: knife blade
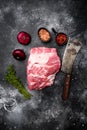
pixel 72 48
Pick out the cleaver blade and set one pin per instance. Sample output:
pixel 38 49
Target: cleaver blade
pixel 71 51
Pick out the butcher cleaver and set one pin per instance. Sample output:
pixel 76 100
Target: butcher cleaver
pixel 71 51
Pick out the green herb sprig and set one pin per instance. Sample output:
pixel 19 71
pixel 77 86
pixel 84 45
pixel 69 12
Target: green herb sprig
pixel 10 76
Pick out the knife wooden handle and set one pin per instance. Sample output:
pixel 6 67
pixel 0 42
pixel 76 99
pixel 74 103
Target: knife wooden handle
pixel 66 87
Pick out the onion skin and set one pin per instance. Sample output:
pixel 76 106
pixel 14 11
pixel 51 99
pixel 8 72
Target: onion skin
pixel 19 54
pixel 23 38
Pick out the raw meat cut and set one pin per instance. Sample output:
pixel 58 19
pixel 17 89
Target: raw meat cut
pixel 43 64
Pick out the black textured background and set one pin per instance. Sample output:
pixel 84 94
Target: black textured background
pixel 46 110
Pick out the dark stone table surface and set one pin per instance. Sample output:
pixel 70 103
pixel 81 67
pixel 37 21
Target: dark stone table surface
pixel 46 110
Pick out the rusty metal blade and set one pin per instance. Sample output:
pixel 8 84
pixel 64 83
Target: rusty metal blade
pixel 71 51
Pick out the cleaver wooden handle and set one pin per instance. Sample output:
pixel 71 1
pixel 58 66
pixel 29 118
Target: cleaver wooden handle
pixel 66 87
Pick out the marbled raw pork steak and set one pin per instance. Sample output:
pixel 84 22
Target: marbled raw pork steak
pixel 43 64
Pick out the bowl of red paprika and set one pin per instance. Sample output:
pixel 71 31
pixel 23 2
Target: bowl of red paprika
pixel 61 38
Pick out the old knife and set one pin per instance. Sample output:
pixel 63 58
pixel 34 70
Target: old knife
pixel 71 51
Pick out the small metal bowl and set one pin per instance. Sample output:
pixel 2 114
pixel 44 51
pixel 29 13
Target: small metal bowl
pixel 42 39
pixel 61 38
